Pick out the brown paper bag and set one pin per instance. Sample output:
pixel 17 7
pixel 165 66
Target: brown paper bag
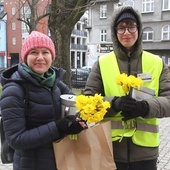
pixel 91 151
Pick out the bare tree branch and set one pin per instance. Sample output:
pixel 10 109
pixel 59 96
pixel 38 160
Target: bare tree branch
pixel 33 19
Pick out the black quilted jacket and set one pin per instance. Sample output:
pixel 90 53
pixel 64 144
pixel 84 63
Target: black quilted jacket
pixel 31 133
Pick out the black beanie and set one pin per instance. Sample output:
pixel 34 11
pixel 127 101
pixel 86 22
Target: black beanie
pixel 126 15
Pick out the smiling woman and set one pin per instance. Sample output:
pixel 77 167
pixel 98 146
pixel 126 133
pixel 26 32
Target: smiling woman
pixel 31 125
pixel 39 60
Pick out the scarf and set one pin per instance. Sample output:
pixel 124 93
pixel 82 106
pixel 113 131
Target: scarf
pixel 47 80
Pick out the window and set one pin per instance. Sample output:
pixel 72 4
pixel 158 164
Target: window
pixel 129 3
pixel 24 31
pixel 78 40
pixel 24 28
pixel 103 35
pixel 25 12
pixel 148 34
pixel 14 41
pixel 166 32
pixel 147 5
pixel 13 10
pixel 84 41
pixel 1 8
pixel 13 26
pixel 78 26
pixel 72 40
pixel 103 11
pixel 166 4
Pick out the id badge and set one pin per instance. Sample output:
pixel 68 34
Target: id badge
pixel 146 77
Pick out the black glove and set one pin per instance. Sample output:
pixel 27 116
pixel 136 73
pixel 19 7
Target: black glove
pixel 68 125
pixel 124 104
pixel 130 107
pixel 140 108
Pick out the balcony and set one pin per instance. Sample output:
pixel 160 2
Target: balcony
pixel 79 33
pixel 78 47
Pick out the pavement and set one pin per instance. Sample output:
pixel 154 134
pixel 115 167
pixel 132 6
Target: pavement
pixel 164 148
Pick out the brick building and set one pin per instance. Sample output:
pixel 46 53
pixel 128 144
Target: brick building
pixel 16 32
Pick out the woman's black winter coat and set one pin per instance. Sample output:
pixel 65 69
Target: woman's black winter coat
pixel 32 132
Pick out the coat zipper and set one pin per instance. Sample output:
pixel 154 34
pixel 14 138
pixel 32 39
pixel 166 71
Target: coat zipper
pixel 128 139
pixel 129 63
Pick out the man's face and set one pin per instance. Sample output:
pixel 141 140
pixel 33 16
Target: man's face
pixel 127 34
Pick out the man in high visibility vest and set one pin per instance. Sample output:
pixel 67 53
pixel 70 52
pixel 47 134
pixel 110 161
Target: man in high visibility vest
pixel 135 133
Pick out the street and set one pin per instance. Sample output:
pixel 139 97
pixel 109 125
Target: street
pixel 164 149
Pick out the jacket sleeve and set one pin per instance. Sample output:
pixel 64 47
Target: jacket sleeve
pixel 94 82
pixel 14 121
pixel 160 106
pixel 64 88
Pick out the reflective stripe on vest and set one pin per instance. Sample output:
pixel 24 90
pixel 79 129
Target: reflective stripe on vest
pixel 147 128
pixel 137 126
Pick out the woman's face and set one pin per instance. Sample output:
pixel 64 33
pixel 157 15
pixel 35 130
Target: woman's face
pixel 127 34
pixel 39 60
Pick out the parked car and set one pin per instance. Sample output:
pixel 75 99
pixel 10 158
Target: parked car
pixel 79 77
pixel 87 67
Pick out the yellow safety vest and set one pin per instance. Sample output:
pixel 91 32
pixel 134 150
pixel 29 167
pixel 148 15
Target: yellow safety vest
pixel 144 132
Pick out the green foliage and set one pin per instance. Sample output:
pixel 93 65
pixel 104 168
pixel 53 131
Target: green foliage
pixel 77 91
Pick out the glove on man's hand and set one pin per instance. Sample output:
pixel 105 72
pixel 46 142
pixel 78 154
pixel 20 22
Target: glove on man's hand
pixel 140 108
pixel 68 125
pixel 130 107
pixel 124 104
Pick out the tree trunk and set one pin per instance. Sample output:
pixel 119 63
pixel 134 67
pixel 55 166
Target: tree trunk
pixel 63 16
pixel 62 47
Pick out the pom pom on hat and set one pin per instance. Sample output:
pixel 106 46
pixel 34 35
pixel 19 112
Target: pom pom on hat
pixel 37 40
pixel 126 15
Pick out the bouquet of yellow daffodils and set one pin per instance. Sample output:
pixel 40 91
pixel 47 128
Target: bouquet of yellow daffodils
pixel 128 82
pixel 91 108
pixel 88 145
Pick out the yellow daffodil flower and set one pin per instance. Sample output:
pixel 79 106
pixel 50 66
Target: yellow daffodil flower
pixel 91 108
pixel 128 82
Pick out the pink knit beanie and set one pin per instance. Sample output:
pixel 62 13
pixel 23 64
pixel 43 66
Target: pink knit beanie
pixel 37 40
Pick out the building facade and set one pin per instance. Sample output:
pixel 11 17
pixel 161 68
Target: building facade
pixel 17 31
pixel 156 26
pixel 78 45
pixel 3 38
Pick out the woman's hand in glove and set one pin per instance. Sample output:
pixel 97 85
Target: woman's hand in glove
pixel 70 125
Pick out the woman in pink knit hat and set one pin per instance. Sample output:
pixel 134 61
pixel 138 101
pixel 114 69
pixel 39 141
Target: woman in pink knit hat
pixel 30 106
